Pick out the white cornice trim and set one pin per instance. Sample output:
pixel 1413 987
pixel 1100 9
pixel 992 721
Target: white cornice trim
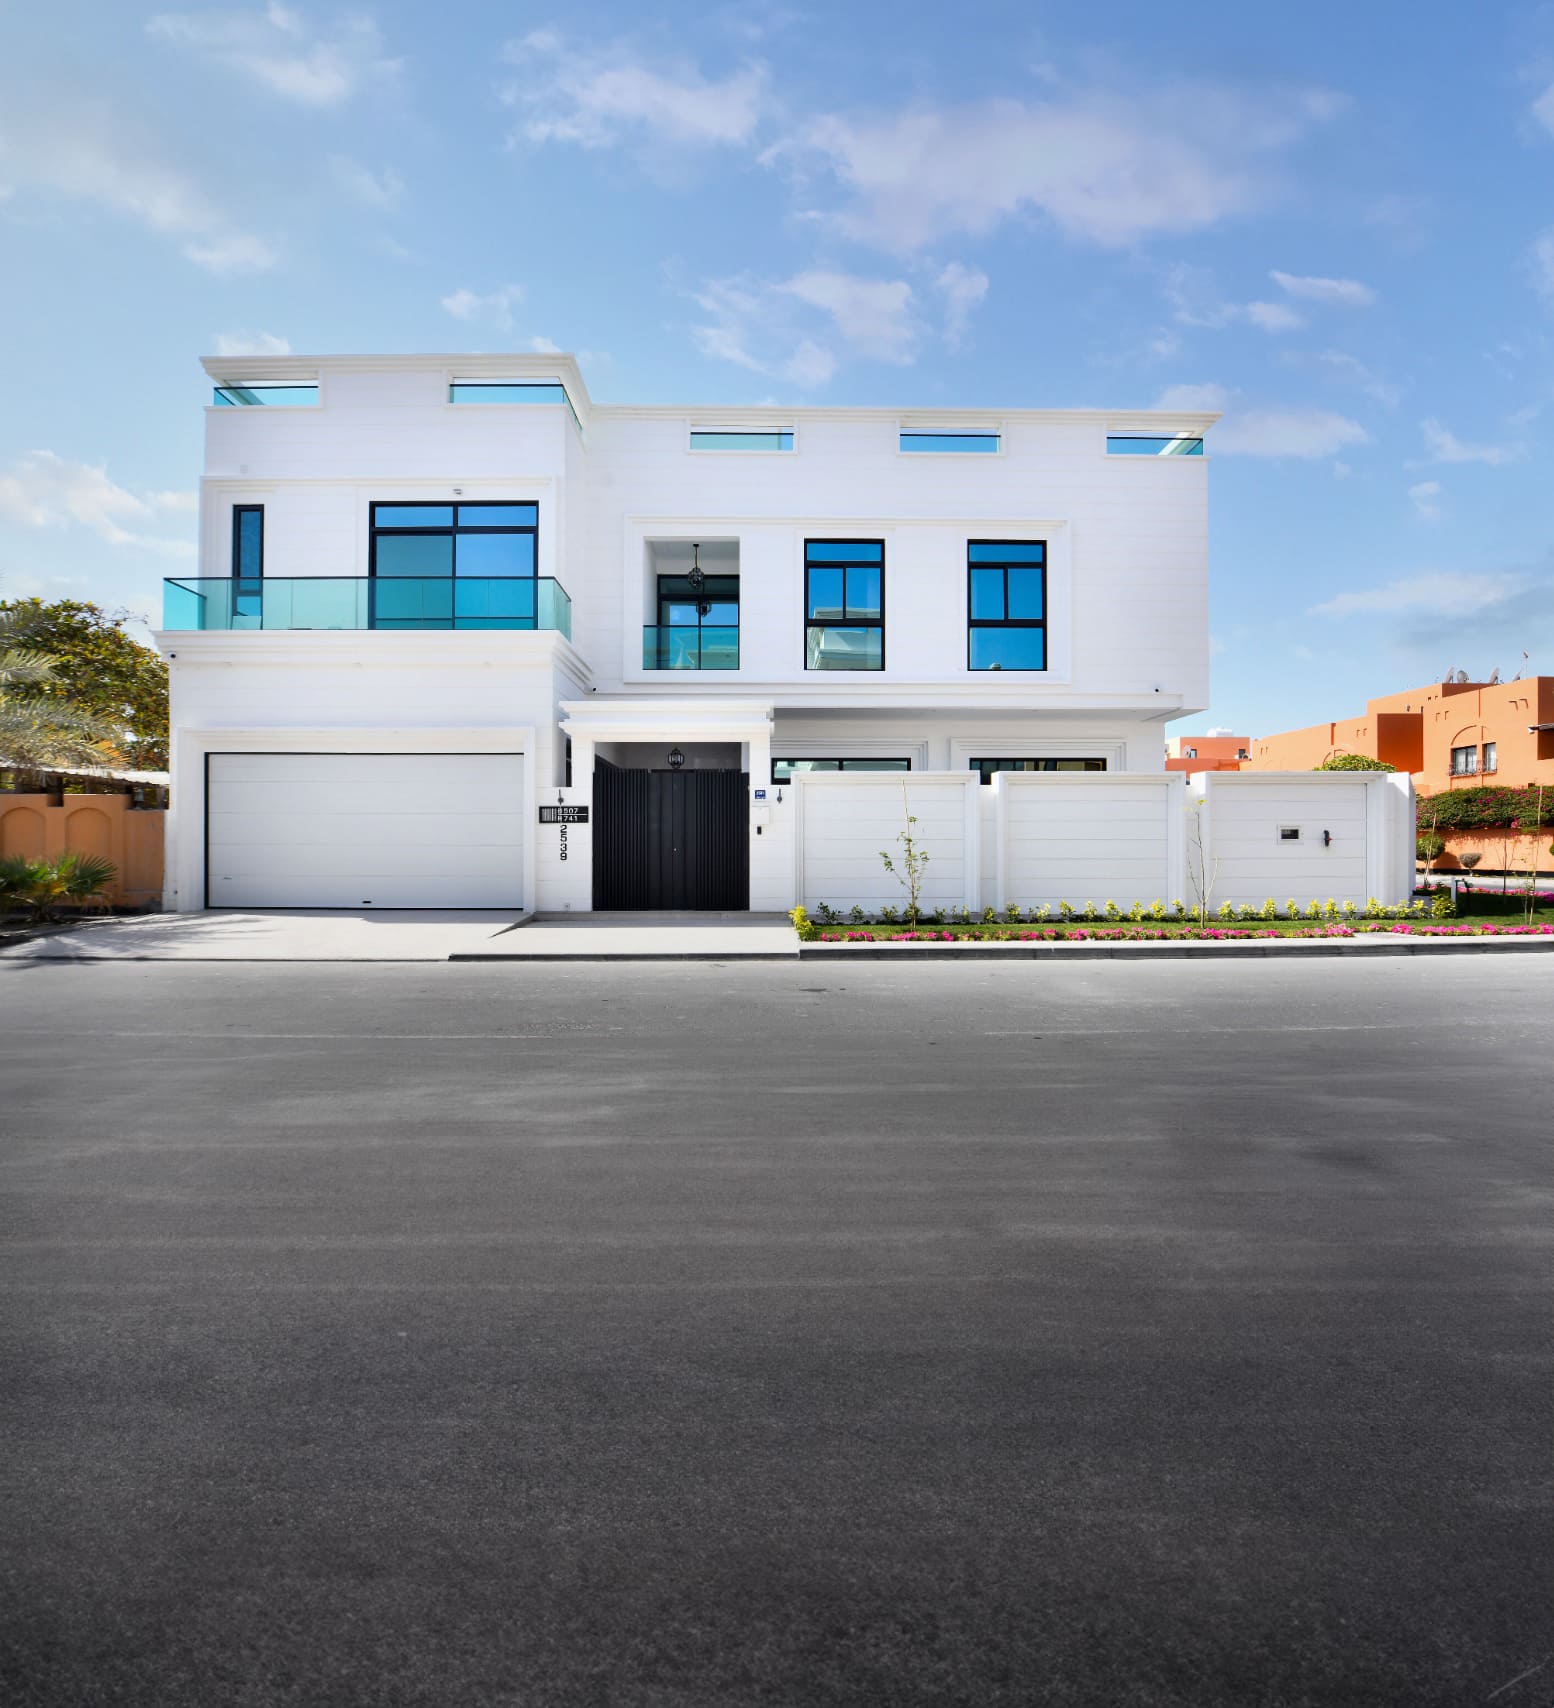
pixel 335 649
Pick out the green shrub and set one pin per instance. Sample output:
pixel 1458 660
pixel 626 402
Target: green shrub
pixel 805 926
pixel 1429 845
pixel 1353 762
pixel 857 915
pixel 1012 913
pixel 1443 907
pixel 44 886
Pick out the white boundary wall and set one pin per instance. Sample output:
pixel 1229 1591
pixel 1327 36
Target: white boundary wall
pixel 843 820
pixel 1356 836
pixel 1038 839
pixel 1087 836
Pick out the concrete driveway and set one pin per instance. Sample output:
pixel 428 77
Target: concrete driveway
pixel 699 1336
pixel 226 934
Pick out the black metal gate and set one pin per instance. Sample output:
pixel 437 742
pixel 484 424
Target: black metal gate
pixel 671 839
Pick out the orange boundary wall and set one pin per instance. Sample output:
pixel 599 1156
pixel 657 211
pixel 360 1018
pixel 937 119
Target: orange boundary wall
pixel 132 838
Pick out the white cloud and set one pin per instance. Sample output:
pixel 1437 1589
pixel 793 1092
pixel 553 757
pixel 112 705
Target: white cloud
pixel 1105 168
pixel 227 256
pixel 544 347
pixel 373 189
pixel 875 316
pixel 250 344
pixel 763 327
pixel 494 308
pixel 755 326
pixel 1425 494
pixel 1439 593
pixel 44 490
pixel 1347 293
pixel 598 97
pixel 1193 399
pixel 1195 302
pixel 1445 447
pixel 89 157
pixel 275 49
pixel 1306 433
pixel 1543 263
pixel 1271 316
pixel 1543 109
pixel 963 289
pixel 1352 371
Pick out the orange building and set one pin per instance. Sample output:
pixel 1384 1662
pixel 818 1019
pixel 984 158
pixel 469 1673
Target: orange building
pixel 1449 735
pixel 1216 751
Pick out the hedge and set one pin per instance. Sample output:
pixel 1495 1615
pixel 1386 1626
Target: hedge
pixel 1353 762
pixel 1485 809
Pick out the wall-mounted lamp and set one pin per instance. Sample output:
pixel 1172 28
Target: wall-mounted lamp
pixel 1327 839
pixel 676 758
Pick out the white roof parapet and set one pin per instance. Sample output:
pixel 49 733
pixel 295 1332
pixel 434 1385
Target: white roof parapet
pixel 537 366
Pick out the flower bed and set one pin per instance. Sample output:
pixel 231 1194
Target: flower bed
pixel 1188 933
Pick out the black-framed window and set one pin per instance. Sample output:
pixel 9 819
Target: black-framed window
pixel 988 767
pixel 1464 761
pixel 247 541
pixel 697 628
pixel 1491 761
pixel 247 565
pixel 1006 605
pixel 783 769
pixel 453 565
pixel 844 604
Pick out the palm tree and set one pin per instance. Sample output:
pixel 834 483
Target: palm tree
pixel 38 734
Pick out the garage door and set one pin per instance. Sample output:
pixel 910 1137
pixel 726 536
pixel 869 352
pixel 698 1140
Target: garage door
pixel 364 830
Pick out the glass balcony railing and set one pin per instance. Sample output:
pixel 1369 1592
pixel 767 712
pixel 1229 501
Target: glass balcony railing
pixel 690 647
pixel 361 602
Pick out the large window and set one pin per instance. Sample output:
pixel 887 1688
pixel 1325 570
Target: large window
pixel 512 391
pixel 844 604
pixel 1490 761
pixel 447 566
pixel 987 767
pixel 697 628
pixel 1006 605
pixel 784 770
pixel 1464 761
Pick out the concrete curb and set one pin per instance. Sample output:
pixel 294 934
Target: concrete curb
pixel 642 955
pixel 1264 949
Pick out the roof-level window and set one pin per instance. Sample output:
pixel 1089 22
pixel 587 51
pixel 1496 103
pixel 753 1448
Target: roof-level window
pixel 1153 445
pixel 987 444
pixel 741 438
pixel 512 391
pixel 233 396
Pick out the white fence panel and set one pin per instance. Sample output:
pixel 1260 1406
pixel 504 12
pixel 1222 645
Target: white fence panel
pixel 1082 837
pixel 845 820
pixel 1310 836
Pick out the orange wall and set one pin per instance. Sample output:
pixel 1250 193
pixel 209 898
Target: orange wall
pixel 1523 853
pixel 1213 752
pixel 1417 729
pixel 90 824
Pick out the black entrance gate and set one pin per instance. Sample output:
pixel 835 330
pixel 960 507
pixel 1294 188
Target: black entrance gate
pixel 671 839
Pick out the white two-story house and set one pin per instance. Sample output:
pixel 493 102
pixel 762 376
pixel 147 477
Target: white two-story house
pixel 462 637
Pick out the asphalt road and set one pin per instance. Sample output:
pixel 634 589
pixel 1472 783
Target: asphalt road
pixel 679 1335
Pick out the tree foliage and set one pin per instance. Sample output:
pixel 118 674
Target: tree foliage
pixel 95 669
pixel 1353 762
pixel 40 730
pixel 1487 808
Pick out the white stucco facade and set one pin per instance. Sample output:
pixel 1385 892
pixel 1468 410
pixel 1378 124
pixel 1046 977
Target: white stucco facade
pixel 621 493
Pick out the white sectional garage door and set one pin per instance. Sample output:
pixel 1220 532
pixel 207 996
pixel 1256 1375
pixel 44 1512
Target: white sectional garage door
pixel 365 830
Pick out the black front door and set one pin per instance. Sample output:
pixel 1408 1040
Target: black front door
pixel 671 839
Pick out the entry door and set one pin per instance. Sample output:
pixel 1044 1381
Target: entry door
pixel 671 840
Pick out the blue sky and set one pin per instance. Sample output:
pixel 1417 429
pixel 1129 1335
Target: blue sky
pixel 1335 222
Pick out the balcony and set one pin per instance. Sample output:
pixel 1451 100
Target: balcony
pixel 690 646
pixel 362 602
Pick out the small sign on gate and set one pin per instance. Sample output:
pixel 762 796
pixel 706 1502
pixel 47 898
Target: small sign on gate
pixel 563 815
